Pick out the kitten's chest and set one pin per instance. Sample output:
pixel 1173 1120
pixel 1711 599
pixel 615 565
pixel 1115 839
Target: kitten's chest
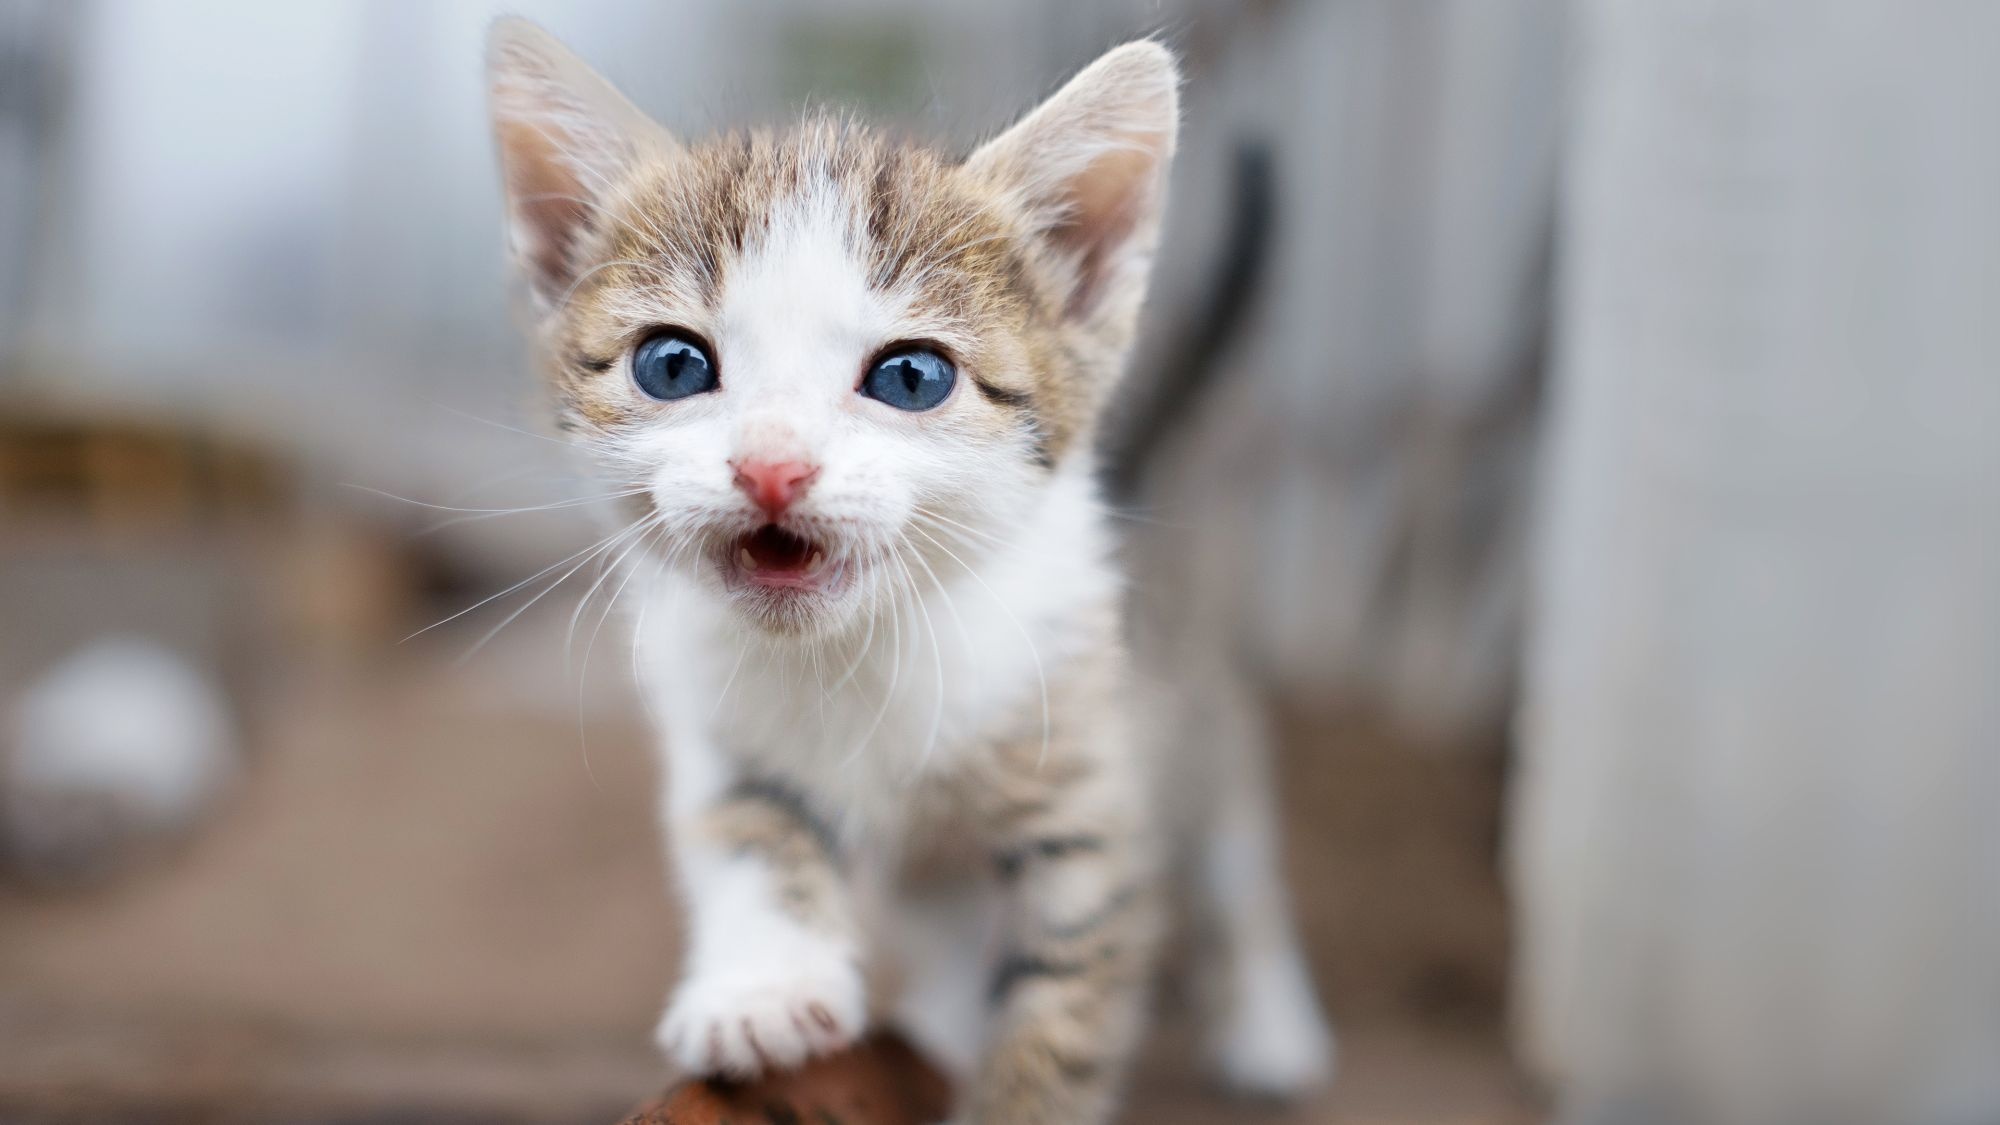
pixel 907 699
pixel 882 753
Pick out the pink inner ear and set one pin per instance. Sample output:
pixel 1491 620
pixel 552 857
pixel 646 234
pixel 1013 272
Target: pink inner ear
pixel 546 197
pixel 549 253
pixel 1106 200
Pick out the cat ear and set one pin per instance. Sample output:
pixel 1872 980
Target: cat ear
pixel 565 137
pixel 1090 166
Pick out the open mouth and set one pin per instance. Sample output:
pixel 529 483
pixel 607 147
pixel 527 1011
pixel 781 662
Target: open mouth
pixel 773 557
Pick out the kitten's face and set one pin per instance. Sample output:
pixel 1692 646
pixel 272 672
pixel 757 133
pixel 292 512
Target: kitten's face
pixel 818 371
pixel 831 366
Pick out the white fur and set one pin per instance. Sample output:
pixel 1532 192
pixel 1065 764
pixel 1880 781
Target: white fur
pixel 945 940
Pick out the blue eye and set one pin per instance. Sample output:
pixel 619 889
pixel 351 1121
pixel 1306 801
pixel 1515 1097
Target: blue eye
pixel 913 379
pixel 669 366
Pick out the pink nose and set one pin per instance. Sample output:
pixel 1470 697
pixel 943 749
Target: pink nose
pixel 774 485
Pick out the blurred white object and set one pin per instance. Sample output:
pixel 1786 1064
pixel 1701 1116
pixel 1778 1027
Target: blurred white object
pixel 121 745
pixel 1756 846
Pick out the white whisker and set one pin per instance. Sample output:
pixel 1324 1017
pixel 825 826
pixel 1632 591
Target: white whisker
pixel 1034 653
pixel 895 678
pixel 722 695
pixel 569 637
pixel 971 654
pixel 867 645
pixel 516 586
pixel 590 645
pixel 546 590
pixel 475 513
pixel 937 659
pixel 470 417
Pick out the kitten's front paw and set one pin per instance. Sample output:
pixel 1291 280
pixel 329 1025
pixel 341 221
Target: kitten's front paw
pixel 740 1022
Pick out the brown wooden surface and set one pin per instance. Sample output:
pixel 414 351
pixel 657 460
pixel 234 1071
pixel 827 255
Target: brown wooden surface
pixel 880 1082
pixel 437 898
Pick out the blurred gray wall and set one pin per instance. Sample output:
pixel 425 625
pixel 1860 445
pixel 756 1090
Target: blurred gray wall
pixel 1756 849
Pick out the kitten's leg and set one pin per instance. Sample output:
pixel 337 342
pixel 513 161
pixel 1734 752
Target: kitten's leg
pixel 1267 1035
pixel 1083 913
pixel 944 943
pixel 773 971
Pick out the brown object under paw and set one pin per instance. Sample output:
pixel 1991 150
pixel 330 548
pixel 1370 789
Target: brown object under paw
pixel 881 1081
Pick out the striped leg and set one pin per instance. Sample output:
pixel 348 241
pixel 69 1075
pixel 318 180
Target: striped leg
pixel 1082 926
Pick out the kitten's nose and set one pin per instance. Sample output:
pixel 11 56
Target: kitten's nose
pixel 774 485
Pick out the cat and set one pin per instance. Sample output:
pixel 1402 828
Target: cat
pixel 847 386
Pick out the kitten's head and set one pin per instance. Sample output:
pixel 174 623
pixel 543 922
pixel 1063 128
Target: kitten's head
pixel 830 363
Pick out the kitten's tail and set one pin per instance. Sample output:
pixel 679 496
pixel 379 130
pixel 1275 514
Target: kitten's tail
pixel 1164 404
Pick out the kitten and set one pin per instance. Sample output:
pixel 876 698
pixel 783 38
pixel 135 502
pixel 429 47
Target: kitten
pixel 849 387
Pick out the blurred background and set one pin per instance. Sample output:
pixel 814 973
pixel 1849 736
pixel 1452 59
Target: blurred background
pixel 1580 420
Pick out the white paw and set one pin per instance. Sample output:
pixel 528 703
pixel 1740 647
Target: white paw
pixel 1274 1046
pixel 741 1021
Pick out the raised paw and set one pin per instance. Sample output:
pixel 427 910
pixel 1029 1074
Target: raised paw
pixel 742 1023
